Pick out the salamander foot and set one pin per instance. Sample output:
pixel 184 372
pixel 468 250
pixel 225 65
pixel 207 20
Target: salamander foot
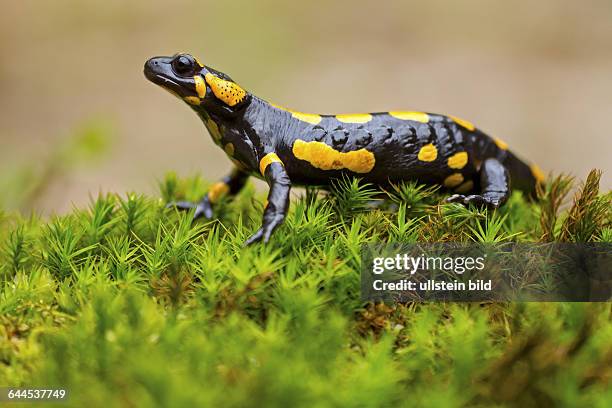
pixel 485 200
pixel 202 208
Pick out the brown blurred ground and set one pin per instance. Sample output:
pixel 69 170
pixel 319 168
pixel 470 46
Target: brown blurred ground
pixel 536 74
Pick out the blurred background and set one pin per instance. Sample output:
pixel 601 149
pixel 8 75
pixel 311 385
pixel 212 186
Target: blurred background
pixel 78 116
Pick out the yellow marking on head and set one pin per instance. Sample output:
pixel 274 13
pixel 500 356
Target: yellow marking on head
pixel 465 187
pixel 192 100
pixel 230 93
pixel 324 157
pixel 453 180
pixel 229 149
pixel 200 86
pixel 266 204
pixel 462 122
pixel 416 116
pixel 500 143
pixel 538 174
pixel 428 153
pixel 198 62
pixel 312 118
pixel 267 160
pixel 217 191
pixel 458 160
pixel 354 117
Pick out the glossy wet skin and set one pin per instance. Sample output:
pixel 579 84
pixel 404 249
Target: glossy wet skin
pixel 287 147
pixel 184 76
pixel 174 73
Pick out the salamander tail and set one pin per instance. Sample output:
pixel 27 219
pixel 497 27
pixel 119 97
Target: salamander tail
pixel 524 177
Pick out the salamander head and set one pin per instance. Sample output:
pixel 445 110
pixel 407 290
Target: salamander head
pixel 198 85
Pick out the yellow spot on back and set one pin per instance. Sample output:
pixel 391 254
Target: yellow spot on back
pixel 230 93
pixel 416 116
pixel 307 117
pixel 538 174
pixel 217 191
pixel 325 157
pixel 501 144
pixel 458 160
pixel 267 160
pixel 192 100
pixel 312 118
pixel 453 180
pixel 200 86
pixel 229 149
pixel 465 187
pixel 462 122
pixel 428 153
pixel 278 106
pixel 354 117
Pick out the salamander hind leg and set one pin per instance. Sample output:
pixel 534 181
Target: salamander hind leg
pixel 229 185
pixel 495 186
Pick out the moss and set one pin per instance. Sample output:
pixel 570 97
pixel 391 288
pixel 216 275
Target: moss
pixel 129 303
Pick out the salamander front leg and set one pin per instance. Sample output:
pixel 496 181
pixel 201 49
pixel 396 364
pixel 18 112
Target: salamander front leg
pixel 495 184
pixel 278 197
pixel 229 185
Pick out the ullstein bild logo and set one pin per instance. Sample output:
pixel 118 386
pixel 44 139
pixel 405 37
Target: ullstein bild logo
pixel 477 272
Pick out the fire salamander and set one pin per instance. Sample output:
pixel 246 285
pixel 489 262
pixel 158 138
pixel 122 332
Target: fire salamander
pixel 287 147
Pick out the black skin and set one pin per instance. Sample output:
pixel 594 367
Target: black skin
pixel 256 128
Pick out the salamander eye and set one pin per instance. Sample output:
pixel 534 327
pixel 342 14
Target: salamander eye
pixel 183 65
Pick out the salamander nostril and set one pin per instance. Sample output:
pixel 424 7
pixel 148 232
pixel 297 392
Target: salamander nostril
pixel 152 68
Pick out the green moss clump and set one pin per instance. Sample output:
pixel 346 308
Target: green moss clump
pixel 128 303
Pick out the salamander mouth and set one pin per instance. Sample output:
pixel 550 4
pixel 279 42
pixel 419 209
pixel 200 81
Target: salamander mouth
pixel 159 71
pixel 164 81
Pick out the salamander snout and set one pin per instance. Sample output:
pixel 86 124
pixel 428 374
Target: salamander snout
pixel 178 74
pixel 151 64
pixel 156 67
